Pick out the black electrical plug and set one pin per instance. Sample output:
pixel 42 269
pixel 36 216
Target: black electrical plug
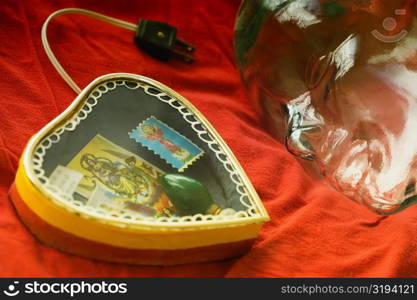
pixel 160 41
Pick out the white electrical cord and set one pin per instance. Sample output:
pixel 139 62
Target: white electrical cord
pixel 80 11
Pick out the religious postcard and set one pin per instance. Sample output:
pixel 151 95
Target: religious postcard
pixel 115 179
pixel 174 148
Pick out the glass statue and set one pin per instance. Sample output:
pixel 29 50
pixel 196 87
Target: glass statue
pixel 337 83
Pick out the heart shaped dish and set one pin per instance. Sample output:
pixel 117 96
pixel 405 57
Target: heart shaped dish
pixel 132 172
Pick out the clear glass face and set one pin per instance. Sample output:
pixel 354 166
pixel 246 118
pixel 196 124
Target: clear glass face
pixel 337 81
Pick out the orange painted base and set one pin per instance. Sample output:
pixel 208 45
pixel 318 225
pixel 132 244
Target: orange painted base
pixel 54 237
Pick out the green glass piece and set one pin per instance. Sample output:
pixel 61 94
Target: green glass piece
pixel 333 9
pixel 189 196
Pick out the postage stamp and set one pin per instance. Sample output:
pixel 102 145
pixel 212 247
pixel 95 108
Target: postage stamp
pixel 174 148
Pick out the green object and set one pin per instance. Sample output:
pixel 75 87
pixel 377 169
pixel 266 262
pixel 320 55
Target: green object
pixel 333 9
pixel 252 16
pixel 189 196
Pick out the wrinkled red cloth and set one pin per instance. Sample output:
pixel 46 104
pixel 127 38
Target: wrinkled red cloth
pixel 314 231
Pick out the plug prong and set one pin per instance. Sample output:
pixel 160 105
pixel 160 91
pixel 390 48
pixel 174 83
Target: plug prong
pixel 185 57
pixel 187 46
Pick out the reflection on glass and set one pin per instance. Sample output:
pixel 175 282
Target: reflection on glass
pixel 337 81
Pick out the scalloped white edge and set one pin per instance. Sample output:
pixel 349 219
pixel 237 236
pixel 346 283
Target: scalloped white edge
pixel 79 207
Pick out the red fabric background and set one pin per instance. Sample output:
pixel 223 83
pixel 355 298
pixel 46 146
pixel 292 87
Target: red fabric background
pixel 314 231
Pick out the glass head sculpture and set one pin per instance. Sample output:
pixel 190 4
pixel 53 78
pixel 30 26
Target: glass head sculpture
pixel 337 82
